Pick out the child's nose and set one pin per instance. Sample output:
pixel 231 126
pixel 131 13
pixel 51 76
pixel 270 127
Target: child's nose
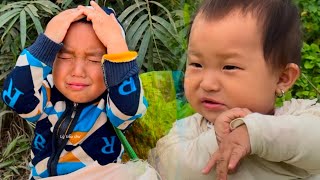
pixel 78 68
pixel 210 82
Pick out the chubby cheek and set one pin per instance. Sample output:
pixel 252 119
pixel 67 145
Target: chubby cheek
pixel 190 91
pixel 98 81
pixel 261 102
pixel 58 78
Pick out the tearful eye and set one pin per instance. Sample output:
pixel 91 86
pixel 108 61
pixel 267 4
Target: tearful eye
pixel 230 67
pixel 64 58
pixel 94 61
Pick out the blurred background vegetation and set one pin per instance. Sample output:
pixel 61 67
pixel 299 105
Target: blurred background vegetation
pixel 156 29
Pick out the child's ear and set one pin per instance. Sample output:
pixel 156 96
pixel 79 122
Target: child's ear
pixel 288 77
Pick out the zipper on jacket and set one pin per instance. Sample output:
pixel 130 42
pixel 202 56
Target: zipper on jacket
pixel 61 134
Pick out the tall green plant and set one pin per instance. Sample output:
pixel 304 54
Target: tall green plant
pixel 308 85
pixel 149 33
pixel 28 14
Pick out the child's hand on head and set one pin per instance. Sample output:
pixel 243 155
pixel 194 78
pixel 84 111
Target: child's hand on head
pixel 233 147
pixel 58 26
pixel 222 123
pixel 106 28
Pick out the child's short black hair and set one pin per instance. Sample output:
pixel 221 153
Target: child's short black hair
pixel 279 21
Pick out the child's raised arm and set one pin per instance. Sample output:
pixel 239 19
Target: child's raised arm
pixel 126 101
pixel 27 87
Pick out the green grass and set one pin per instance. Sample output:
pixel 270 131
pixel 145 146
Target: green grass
pixel 15 148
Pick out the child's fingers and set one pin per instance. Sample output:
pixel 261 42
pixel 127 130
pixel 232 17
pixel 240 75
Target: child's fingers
pixel 222 165
pixel 113 17
pixel 78 14
pixel 93 14
pixel 58 26
pixel 96 7
pixel 88 12
pixel 211 163
pixel 79 17
pixel 246 111
pixel 72 15
pixel 236 155
pixel 235 113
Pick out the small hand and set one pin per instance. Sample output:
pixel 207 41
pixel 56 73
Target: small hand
pixel 106 28
pixel 222 122
pixel 58 26
pixel 232 149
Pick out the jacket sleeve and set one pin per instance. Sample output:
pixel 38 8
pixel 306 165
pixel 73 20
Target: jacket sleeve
pixel 126 101
pixel 26 89
pixel 184 152
pixel 293 138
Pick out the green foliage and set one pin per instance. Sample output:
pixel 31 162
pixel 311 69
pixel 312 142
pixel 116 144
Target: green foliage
pixel 308 85
pixel 148 33
pixel 19 17
pixel 164 92
pixel 14 147
pixel 14 158
pixel 310 13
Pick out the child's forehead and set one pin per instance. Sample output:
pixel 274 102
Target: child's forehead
pixel 91 51
pixel 235 15
pixel 232 27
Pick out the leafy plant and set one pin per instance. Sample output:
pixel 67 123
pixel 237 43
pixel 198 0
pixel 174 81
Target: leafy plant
pixel 149 34
pixel 15 149
pixel 24 12
pixel 308 85
pixel 310 13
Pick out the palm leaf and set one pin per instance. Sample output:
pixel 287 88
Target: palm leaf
pixel 4 18
pixel 8 28
pixel 141 25
pixel 165 24
pixel 138 35
pixel 133 29
pixel 144 47
pixel 33 9
pixel 35 20
pixel 128 10
pixel 23 28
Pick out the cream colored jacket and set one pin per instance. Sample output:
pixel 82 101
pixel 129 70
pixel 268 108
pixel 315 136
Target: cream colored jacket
pixel 284 146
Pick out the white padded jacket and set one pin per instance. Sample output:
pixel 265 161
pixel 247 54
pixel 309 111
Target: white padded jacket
pixel 284 146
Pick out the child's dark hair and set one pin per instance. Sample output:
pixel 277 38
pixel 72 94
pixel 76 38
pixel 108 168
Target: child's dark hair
pixel 279 21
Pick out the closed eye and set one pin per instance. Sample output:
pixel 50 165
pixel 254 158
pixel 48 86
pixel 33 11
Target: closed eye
pixel 94 61
pixel 64 58
pixel 230 67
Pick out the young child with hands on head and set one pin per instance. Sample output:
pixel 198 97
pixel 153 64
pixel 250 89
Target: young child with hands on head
pixel 76 82
pixel 241 56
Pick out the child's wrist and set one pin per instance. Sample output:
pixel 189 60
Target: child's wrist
pixel 119 67
pixel 117 47
pixel 116 73
pixel 44 49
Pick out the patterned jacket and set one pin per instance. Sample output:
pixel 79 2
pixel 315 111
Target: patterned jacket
pixel 70 136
